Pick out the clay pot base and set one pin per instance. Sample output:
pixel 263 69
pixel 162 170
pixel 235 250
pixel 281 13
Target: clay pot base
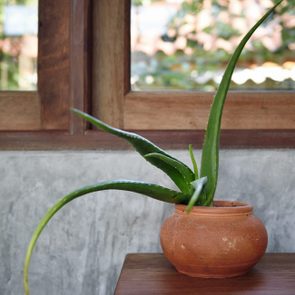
pixel 213 274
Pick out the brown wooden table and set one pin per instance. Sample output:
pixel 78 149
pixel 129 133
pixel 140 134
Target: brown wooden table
pixel 152 274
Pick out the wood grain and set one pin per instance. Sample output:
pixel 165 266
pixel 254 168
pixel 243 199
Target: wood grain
pixel 110 58
pixel 189 110
pixel 153 274
pixel 19 110
pixel 54 63
pixel 80 61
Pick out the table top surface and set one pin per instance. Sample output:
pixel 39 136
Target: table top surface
pixel 152 274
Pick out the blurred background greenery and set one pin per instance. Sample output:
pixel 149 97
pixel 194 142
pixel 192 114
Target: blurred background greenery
pixel 185 44
pixel 18 44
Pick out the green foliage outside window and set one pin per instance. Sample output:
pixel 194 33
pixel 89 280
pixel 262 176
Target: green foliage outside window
pixel 10 47
pixel 200 68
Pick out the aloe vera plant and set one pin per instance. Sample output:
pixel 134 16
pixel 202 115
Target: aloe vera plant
pixel 194 187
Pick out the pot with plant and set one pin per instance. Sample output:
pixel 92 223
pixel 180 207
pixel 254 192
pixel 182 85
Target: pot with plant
pixel 203 238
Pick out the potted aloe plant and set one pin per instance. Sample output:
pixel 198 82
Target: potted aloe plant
pixel 204 238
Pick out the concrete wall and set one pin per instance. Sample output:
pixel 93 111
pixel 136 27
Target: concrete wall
pixel 81 251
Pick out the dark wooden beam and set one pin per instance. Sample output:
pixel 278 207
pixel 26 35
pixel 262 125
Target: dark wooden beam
pixel 93 140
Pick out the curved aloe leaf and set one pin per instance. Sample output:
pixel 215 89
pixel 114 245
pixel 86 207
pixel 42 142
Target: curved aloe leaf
pixel 181 176
pixel 209 163
pixel 142 145
pixel 198 185
pixel 151 190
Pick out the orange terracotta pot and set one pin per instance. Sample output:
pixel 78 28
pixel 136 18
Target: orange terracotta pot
pixel 222 241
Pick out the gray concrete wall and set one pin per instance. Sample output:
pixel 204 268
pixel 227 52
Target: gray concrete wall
pixel 81 251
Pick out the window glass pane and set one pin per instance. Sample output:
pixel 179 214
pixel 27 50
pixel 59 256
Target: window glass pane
pixel 18 44
pixel 185 44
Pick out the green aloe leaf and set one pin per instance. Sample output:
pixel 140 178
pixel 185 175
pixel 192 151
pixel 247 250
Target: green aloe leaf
pixel 209 163
pixel 194 162
pixel 142 145
pixel 181 176
pixel 198 185
pixel 152 190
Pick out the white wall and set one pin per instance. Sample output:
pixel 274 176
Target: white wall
pixel 82 249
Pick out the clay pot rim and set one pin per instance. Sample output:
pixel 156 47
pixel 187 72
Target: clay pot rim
pixel 220 207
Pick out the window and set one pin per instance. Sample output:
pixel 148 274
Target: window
pixel 19 45
pixel 185 45
pixel 32 119
pixel 46 107
pixel 84 61
pixel 264 115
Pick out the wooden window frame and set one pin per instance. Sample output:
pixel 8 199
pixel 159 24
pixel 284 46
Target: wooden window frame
pixel 41 119
pixel 90 64
pixel 44 109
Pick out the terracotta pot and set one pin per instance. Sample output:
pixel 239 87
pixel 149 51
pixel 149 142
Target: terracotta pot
pixel 222 241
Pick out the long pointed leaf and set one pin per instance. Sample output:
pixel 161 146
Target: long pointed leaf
pixel 151 190
pixel 181 176
pixel 209 163
pixel 141 144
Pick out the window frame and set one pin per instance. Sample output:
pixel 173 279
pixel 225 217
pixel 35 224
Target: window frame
pixel 42 109
pixel 98 67
pixel 41 119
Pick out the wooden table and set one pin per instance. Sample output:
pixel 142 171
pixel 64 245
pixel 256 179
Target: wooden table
pixel 152 274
